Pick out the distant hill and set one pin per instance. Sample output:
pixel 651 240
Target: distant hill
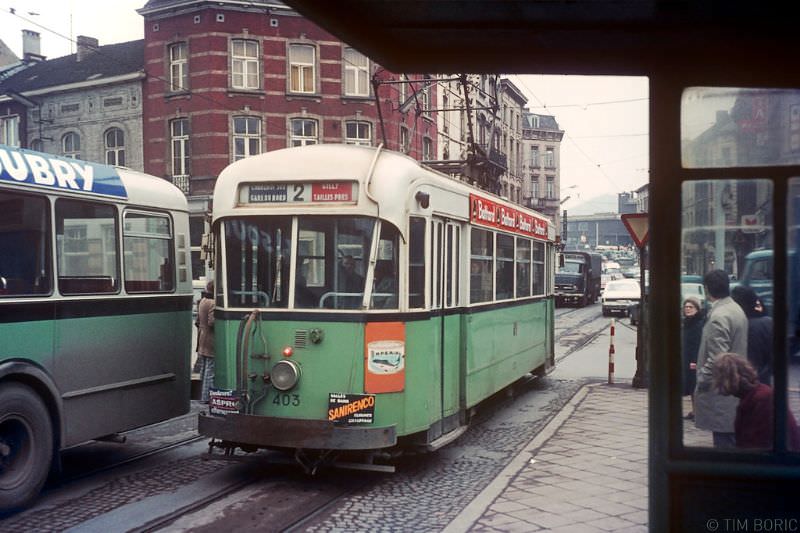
pixel 605 203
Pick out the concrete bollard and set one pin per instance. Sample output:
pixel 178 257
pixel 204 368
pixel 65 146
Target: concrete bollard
pixel 611 356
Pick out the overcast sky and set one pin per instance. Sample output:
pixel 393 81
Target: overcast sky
pixel 605 119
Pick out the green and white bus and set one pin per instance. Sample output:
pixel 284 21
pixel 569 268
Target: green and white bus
pixel 366 302
pixel 95 309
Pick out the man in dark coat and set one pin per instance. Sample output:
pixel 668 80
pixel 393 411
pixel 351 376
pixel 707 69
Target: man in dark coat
pixel 759 332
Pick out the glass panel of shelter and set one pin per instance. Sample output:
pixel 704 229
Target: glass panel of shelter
pixel 728 225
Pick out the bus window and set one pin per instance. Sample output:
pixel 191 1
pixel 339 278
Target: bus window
pixel 725 223
pixel 86 244
pixel 257 261
pixel 481 262
pixel 416 263
pixel 148 253
pixel 24 245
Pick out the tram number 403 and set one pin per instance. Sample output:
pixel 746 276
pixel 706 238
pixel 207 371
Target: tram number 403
pixel 286 400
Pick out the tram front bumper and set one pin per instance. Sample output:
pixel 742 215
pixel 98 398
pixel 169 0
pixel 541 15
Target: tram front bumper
pixel 272 432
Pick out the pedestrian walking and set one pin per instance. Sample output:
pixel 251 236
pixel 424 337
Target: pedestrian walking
pixel 759 332
pixel 694 316
pixel 734 375
pixel 725 331
pixel 205 342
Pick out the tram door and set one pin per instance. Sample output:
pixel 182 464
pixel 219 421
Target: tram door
pixel 446 247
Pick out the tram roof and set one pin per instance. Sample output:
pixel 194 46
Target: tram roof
pixel 395 179
pixel 32 170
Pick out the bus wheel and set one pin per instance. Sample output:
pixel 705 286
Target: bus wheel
pixel 26 446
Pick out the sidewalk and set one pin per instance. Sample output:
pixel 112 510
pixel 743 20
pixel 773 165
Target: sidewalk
pixel 586 471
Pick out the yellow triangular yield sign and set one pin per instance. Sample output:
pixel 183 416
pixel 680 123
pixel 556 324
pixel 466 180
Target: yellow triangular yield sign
pixel 638 226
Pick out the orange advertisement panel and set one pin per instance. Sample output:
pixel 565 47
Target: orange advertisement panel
pixel 384 357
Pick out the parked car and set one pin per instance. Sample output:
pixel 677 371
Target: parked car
pixel 619 295
pixel 695 290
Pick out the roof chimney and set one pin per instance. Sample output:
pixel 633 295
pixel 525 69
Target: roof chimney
pixel 86 46
pixel 31 46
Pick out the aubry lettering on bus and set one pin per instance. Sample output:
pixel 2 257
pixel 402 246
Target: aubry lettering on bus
pixel 24 167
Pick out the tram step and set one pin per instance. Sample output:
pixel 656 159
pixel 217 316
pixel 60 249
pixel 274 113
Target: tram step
pixel 444 440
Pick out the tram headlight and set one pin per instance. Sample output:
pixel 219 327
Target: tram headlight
pixel 285 374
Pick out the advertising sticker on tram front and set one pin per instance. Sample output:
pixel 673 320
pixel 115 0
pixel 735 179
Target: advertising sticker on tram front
pixel 223 402
pixel 351 409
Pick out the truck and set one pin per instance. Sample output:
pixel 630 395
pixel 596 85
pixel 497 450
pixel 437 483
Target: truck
pixel 578 278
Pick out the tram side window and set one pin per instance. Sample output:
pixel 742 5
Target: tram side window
pixel 87 247
pixel 538 268
pixel 24 245
pixel 523 267
pixel 384 290
pixel 416 263
pixel 257 261
pixel 149 265
pixel 505 267
pixel 481 264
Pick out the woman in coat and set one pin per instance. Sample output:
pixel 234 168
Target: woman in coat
pixel 735 376
pixel 694 316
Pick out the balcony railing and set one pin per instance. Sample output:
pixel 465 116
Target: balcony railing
pixel 181 182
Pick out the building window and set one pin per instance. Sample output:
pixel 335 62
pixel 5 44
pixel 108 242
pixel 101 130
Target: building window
pixel 178 67
pixel 246 137
pixel 179 134
pixel 445 114
pixel 535 186
pixel 404 139
pixel 38 145
pixel 358 132
pixel 71 145
pixel 113 101
pixel 304 132
pixel 244 64
pixel 301 68
pixel 549 158
pixel 9 131
pixel 356 73
pixel 551 187
pixel 402 90
pixel 427 149
pixel 115 147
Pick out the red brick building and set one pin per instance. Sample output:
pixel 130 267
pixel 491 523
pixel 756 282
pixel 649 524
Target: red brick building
pixel 228 79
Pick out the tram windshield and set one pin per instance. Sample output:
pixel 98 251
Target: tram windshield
pixel 330 263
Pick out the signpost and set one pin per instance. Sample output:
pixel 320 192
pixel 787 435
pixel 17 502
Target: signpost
pixel 638 226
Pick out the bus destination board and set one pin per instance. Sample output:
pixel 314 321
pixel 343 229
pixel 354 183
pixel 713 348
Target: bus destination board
pixel 294 193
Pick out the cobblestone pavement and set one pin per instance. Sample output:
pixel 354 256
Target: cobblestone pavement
pixel 585 472
pixel 428 491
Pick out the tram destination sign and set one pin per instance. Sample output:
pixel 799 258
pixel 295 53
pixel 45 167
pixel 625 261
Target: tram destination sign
pixel 485 212
pixel 300 193
pixel 351 409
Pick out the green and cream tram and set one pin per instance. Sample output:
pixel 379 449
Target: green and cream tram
pixel 365 302
pixel 95 309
